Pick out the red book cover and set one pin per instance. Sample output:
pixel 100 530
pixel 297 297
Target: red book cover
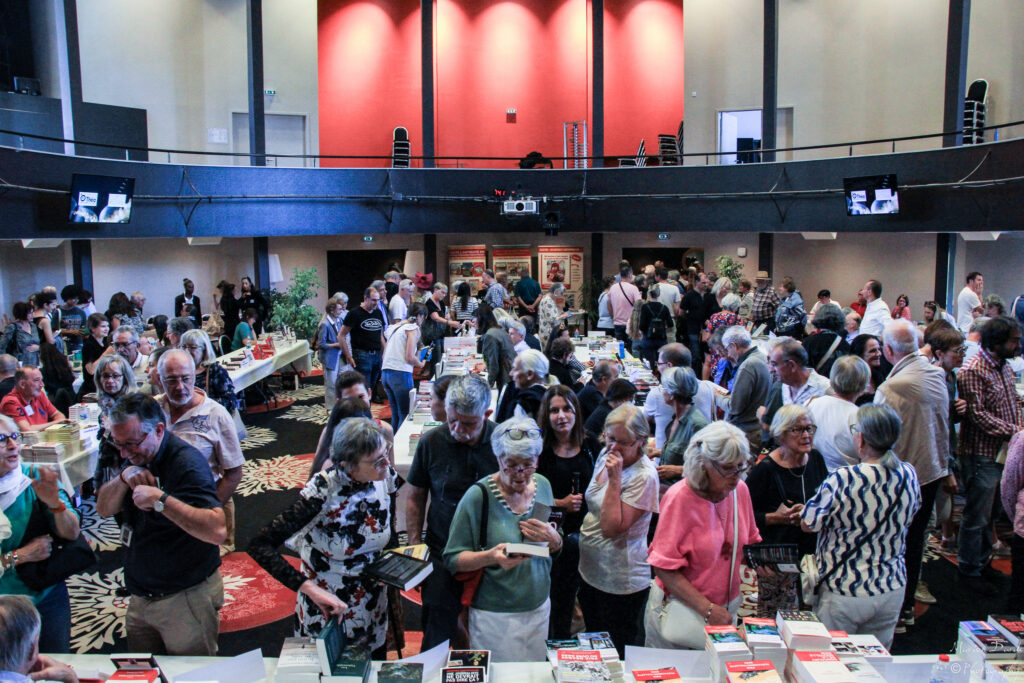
pixel 149 675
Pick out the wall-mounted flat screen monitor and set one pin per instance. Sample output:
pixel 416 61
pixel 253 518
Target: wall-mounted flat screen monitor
pixel 871 195
pixel 101 199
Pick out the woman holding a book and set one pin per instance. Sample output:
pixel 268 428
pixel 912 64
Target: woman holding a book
pixel 861 515
pixel 344 522
pixel 705 521
pixel 501 534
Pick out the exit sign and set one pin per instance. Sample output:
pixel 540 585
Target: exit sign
pixel 367 238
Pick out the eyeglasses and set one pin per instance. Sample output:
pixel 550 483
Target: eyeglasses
pixel 123 345
pixel 378 464
pixel 517 434
pixel 125 445
pixel 732 471
pixel 191 347
pixel 808 429
pixel 15 437
pixel 107 375
pixel 184 379
pixel 518 468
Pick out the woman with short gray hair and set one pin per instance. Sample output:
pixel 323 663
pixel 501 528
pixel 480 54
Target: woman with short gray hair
pixel 861 514
pixel 705 521
pixel 211 377
pixel 509 611
pixel 833 413
pixel 827 342
pixel 678 388
pixel 727 317
pixel 331 584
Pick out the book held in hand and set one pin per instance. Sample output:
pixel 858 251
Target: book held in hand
pixel 533 549
pixel 402 571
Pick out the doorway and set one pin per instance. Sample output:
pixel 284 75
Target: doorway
pixel 674 258
pixel 352 271
pixel 739 135
pixel 285 134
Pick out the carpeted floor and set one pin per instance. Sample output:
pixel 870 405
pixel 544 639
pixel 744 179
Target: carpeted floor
pixel 258 611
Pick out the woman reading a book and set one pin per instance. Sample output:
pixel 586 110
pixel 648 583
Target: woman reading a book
pixel 705 521
pixel 508 614
pixel 345 523
pixel 861 514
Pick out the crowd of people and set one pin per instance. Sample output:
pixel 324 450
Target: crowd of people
pixel 841 431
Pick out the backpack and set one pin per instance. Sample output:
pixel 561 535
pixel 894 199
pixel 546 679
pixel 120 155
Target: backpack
pixel 658 327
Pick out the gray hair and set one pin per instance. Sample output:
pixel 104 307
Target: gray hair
pixel 137 296
pixel 393 276
pixel 786 418
pixel 127 374
pixel 977 324
pixel 673 275
pixel 174 353
pixel 602 370
pixel 19 625
pixel 632 418
pixel 719 442
pixel 792 350
pixel 8 364
pixel 557 288
pixel 180 325
pixel 849 375
pixel 407 286
pixel 9 423
pixel 439 286
pixel 829 317
pixel 738 335
pixel 731 302
pixel 532 360
pixel 468 395
pixel 681 383
pixel 880 426
pixel 510 323
pixel 377 284
pixel 126 329
pixel 504 446
pixel 342 297
pixel 353 438
pixel 144 408
pixel 202 339
pixel 654 292
pixel 901 336
pixel 720 284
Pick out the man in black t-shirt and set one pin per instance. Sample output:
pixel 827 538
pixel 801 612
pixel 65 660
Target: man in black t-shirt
pixel 72 319
pixel 694 311
pixel 364 324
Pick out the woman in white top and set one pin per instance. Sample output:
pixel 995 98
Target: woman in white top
pixel 833 414
pixel 613 539
pixel 400 357
pixel 605 323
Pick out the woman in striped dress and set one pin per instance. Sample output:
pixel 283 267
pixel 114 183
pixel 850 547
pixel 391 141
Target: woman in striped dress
pixel 861 514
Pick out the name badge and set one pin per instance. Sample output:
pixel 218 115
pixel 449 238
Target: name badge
pixel 29 412
pixel 126 535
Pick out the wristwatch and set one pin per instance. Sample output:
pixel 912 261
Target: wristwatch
pixel 159 505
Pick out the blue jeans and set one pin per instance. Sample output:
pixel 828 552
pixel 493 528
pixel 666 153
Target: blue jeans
pixel 55 620
pixel 368 363
pixel 981 477
pixel 397 385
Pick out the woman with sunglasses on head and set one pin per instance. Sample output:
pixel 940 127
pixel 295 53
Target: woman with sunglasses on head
pixel 705 521
pixel 508 614
pixel 861 514
pixel 780 485
pixel 344 514
pixel 621 498
pixel 567 461
pixel 28 492
pixel 211 376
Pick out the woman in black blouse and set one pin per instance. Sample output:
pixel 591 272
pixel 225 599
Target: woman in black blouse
pixel 567 462
pixel 95 346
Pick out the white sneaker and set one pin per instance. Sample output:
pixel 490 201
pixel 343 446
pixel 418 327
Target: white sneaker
pixel 922 594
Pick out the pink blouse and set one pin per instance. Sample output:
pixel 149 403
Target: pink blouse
pixel 695 535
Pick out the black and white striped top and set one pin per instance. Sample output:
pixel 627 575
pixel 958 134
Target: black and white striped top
pixel 866 507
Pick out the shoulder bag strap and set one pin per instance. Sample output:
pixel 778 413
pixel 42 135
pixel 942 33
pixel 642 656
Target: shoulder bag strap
pixel 828 354
pixel 623 290
pixel 484 505
pixel 735 539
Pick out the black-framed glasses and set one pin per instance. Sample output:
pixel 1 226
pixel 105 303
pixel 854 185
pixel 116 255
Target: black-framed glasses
pixel 517 434
pixel 806 429
pixel 732 471
pixel 13 436
pixel 520 467
pixel 125 445
pixel 124 345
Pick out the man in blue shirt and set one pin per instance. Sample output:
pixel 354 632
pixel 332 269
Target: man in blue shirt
pixel 527 292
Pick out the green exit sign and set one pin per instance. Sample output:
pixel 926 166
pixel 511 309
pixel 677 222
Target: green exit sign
pixel 368 238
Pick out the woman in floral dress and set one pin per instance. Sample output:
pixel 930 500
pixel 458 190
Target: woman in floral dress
pixel 344 521
pixel 727 317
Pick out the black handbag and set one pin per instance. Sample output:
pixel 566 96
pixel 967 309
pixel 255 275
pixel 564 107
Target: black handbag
pixel 66 557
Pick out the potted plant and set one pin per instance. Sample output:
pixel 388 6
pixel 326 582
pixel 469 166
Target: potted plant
pixel 731 268
pixel 290 307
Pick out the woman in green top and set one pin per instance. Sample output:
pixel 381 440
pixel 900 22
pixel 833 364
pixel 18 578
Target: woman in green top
pixel 22 489
pixel 510 609
pixel 245 329
pixel 678 387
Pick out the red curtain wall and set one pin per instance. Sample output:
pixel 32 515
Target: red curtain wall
pixel 533 56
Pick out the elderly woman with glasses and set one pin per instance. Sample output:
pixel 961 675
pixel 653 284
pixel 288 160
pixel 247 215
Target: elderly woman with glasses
pixel 678 387
pixel 621 498
pixel 114 379
pixel 211 376
pixel 861 514
pixel 705 521
pixel 344 518
pixel 780 485
pixel 509 611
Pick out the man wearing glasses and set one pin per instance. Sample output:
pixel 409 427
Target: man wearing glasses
pixel 173 523
pixel 447 462
pixel 788 363
pixel 205 425
pixel 127 345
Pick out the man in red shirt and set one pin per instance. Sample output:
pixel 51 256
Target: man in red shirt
pixel 27 405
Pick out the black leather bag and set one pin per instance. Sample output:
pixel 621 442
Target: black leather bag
pixel 66 557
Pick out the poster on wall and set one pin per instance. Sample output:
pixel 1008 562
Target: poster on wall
pixel 561 264
pixel 466 262
pixel 511 260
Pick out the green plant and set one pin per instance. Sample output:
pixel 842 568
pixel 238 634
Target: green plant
pixel 590 290
pixel 729 267
pixel 290 307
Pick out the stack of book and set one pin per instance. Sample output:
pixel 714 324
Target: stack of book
pixel 764 641
pixel 467 666
pixel 418 430
pixel 859 646
pixel 340 661
pixel 66 433
pixel 30 438
pixel 802 630
pixel 581 666
pixel 978 642
pixel 1004 672
pixel 84 412
pixel 299 662
pixel 44 453
pixel 723 645
pixel 1011 627
pixel 599 641
pixel 757 671
pixel 818 667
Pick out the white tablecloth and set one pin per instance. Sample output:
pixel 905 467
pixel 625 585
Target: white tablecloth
pixel 296 355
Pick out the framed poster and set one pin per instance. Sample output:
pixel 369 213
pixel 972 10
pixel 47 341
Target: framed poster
pixel 466 262
pixel 510 260
pixel 560 264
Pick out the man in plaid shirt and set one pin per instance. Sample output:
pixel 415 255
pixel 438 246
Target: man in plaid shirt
pixel 766 301
pixel 986 382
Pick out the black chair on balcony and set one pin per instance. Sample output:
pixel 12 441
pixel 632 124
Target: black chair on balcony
pixel 401 148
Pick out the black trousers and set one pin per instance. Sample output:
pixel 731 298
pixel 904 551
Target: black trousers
pixel 1016 599
pixel 619 615
pixel 916 540
pixel 565 583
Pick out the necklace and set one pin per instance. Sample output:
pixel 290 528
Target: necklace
pixel 495 488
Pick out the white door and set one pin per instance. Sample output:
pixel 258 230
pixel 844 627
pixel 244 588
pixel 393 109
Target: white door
pixel 286 134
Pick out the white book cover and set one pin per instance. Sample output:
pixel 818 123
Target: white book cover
pixel 821 667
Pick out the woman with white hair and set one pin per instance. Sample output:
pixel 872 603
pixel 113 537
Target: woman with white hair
pixel 508 614
pixel 721 289
pixel 549 314
pixel 780 485
pixel 621 498
pixel 705 521
pixel 529 375
pixel 727 317
pixel 211 377
pixel 832 413
pixel 861 515
pixel 678 388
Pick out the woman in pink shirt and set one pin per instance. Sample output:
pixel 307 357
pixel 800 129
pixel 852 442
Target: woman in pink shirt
pixel 706 519
pixel 902 308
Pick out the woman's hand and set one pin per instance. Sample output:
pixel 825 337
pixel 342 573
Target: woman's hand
pixel 719 616
pixel 572 502
pixel 37 549
pixel 670 471
pixel 613 466
pixel 536 530
pixel 32 348
pixel 785 515
pixel 504 561
pixel 328 602
pixel 46 487
pixel 949 484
